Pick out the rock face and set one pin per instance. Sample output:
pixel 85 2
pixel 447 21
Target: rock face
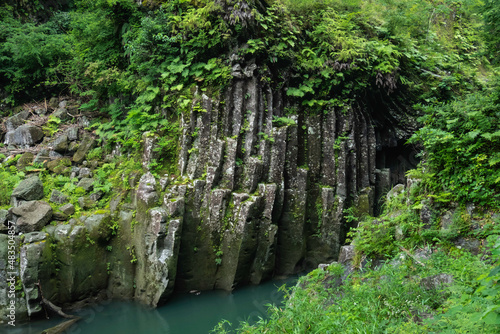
pixel 261 191
pixel 265 192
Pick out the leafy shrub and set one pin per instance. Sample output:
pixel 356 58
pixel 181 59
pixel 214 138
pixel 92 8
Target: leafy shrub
pixel 462 148
pixel 30 56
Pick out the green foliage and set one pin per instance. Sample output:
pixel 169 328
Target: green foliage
pixel 491 14
pixel 10 178
pixel 283 121
pixel 462 148
pixel 30 56
pixel 51 126
pixel 387 300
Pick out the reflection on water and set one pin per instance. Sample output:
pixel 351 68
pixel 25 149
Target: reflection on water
pixel 184 314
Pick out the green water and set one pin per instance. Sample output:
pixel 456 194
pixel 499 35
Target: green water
pixel 183 314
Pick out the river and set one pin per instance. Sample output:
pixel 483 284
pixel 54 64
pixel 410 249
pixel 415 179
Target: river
pixel 183 314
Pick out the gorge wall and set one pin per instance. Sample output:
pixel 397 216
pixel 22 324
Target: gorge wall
pixel 262 190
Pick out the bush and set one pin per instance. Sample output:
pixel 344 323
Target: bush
pixel 462 148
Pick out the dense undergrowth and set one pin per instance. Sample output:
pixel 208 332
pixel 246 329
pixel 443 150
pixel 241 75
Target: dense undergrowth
pixel 138 65
pixel 389 299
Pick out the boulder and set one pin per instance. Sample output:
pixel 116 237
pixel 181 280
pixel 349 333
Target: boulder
pixel 29 189
pixel 54 102
pixel 72 133
pixel 17 120
pixel 40 111
pixel 60 144
pixel 58 197
pixel 395 191
pixel 86 202
pixel 60 166
pixel 346 254
pixel 68 209
pixel 32 216
pixel 85 146
pixel 73 146
pixel 86 183
pixel 42 157
pixel 469 244
pixel 61 113
pixel 25 160
pixel 436 282
pixel 60 216
pixel 84 172
pixel 25 135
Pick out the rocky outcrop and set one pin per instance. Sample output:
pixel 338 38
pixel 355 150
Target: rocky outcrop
pixel 261 190
pixel 266 191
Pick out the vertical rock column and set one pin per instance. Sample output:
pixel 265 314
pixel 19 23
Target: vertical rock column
pixel 157 239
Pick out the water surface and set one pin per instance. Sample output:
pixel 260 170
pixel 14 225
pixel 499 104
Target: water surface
pixel 183 314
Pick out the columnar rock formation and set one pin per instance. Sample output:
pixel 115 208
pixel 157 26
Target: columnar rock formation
pixel 265 187
pixel 262 190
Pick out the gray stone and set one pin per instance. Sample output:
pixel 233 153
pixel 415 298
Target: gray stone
pixel 60 113
pixel 4 220
pixel 86 203
pixel 149 140
pixel 83 121
pixel 472 245
pixel 85 146
pixel 60 166
pixel 60 144
pixel 54 102
pixel 17 120
pixel 164 182
pixel 42 157
pixel 68 209
pixel 84 172
pixel 24 136
pixel 25 160
pixel 96 196
pixel 63 104
pixel 73 146
pixel 436 282
pixel 54 154
pixel 32 216
pixel 74 172
pixel 60 216
pixel 29 189
pixel 248 71
pixel 236 71
pixel 40 111
pixel 346 254
pixel 395 191
pixel 447 220
pixel 86 183
pixel 34 237
pixel 72 133
pixel 426 214
pixel 58 197
pixel 146 195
